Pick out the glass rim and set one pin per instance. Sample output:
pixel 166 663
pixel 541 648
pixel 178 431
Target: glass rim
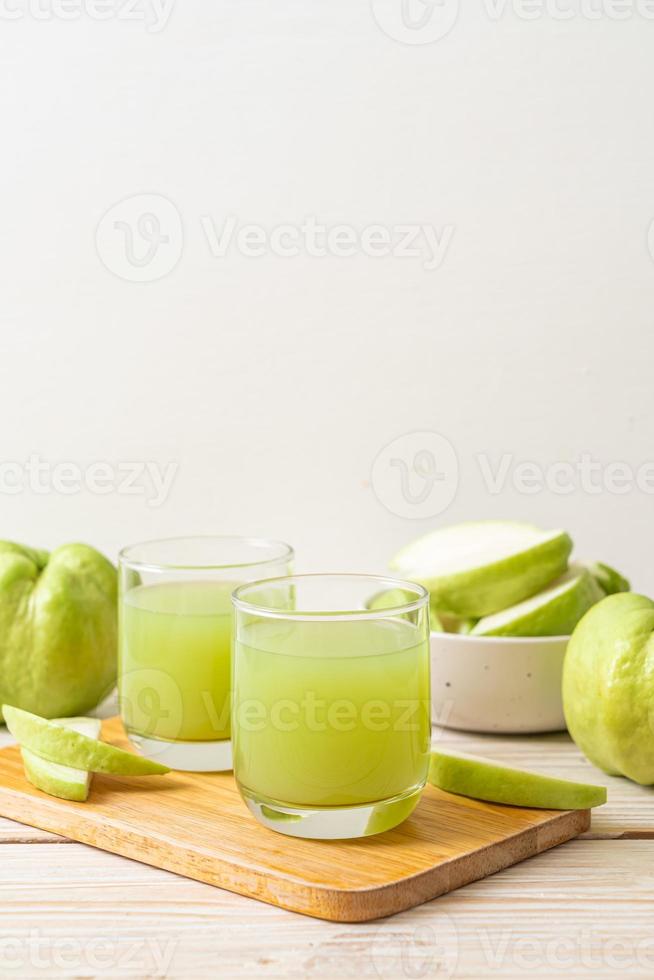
pixel 284 552
pixel 274 612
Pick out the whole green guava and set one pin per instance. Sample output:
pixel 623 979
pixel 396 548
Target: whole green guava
pixel 58 626
pixel 608 686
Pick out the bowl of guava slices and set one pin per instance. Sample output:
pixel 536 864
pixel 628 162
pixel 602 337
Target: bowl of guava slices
pixel 504 599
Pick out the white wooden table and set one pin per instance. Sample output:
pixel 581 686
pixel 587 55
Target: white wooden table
pixel 584 909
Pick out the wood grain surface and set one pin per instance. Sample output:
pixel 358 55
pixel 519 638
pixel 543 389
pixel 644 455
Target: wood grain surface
pixel 197 826
pixel 583 910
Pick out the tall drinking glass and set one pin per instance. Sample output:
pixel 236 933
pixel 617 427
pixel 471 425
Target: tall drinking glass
pixel 331 720
pixel 175 635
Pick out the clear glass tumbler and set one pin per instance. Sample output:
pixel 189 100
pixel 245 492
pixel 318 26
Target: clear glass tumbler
pixel 175 638
pixel 331 699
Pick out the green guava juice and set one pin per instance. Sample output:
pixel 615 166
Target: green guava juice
pixel 175 660
pixel 330 713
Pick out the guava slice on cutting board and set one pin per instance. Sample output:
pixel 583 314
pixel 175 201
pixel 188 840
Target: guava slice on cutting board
pixel 70 748
pixel 553 612
pixel 63 781
pixel 477 569
pixel 482 779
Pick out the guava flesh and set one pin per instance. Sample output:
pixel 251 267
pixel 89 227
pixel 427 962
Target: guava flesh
pixel 553 612
pixel 474 570
pixel 69 748
pixel 486 780
pixel 57 780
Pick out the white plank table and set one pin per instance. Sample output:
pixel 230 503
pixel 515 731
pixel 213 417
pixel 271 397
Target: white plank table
pixel 584 909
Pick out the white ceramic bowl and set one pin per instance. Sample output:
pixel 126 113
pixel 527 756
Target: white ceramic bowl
pixel 497 684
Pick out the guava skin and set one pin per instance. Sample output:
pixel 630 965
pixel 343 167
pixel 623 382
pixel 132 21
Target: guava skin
pixel 65 746
pixel 609 580
pixel 557 617
pixel 485 780
pixel 608 686
pixel 58 628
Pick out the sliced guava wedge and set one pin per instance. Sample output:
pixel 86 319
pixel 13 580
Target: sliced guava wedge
pixel 444 622
pixel 482 779
pixel 476 569
pixel 55 743
pixel 63 781
pixel 399 597
pixel 608 579
pixel 553 612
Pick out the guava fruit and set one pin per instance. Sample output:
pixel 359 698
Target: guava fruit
pixel 485 780
pixel 63 781
pixel 398 597
pixel 57 628
pixel 477 569
pixel 553 612
pixel 50 740
pixel 608 686
pixel 609 580
pixel 444 622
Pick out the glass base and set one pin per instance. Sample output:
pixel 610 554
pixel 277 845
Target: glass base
pixel 332 822
pixel 187 756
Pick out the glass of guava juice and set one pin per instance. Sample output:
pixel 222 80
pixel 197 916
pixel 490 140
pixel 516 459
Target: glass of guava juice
pixel 175 638
pixel 330 709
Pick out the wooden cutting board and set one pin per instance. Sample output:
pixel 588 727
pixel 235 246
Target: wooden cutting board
pixel 196 825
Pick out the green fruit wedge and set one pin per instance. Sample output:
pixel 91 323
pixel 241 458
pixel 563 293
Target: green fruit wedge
pixel 486 780
pixel 443 622
pixel 390 598
pixel 399 597
pixel 57 780
pixel 69 748
pixel 477 569
pixel 606 577
pixel 553 612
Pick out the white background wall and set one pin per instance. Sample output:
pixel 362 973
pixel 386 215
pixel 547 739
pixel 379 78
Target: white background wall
pixel 273 382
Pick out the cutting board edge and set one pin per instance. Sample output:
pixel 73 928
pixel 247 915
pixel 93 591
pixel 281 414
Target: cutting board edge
pixel 318 901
